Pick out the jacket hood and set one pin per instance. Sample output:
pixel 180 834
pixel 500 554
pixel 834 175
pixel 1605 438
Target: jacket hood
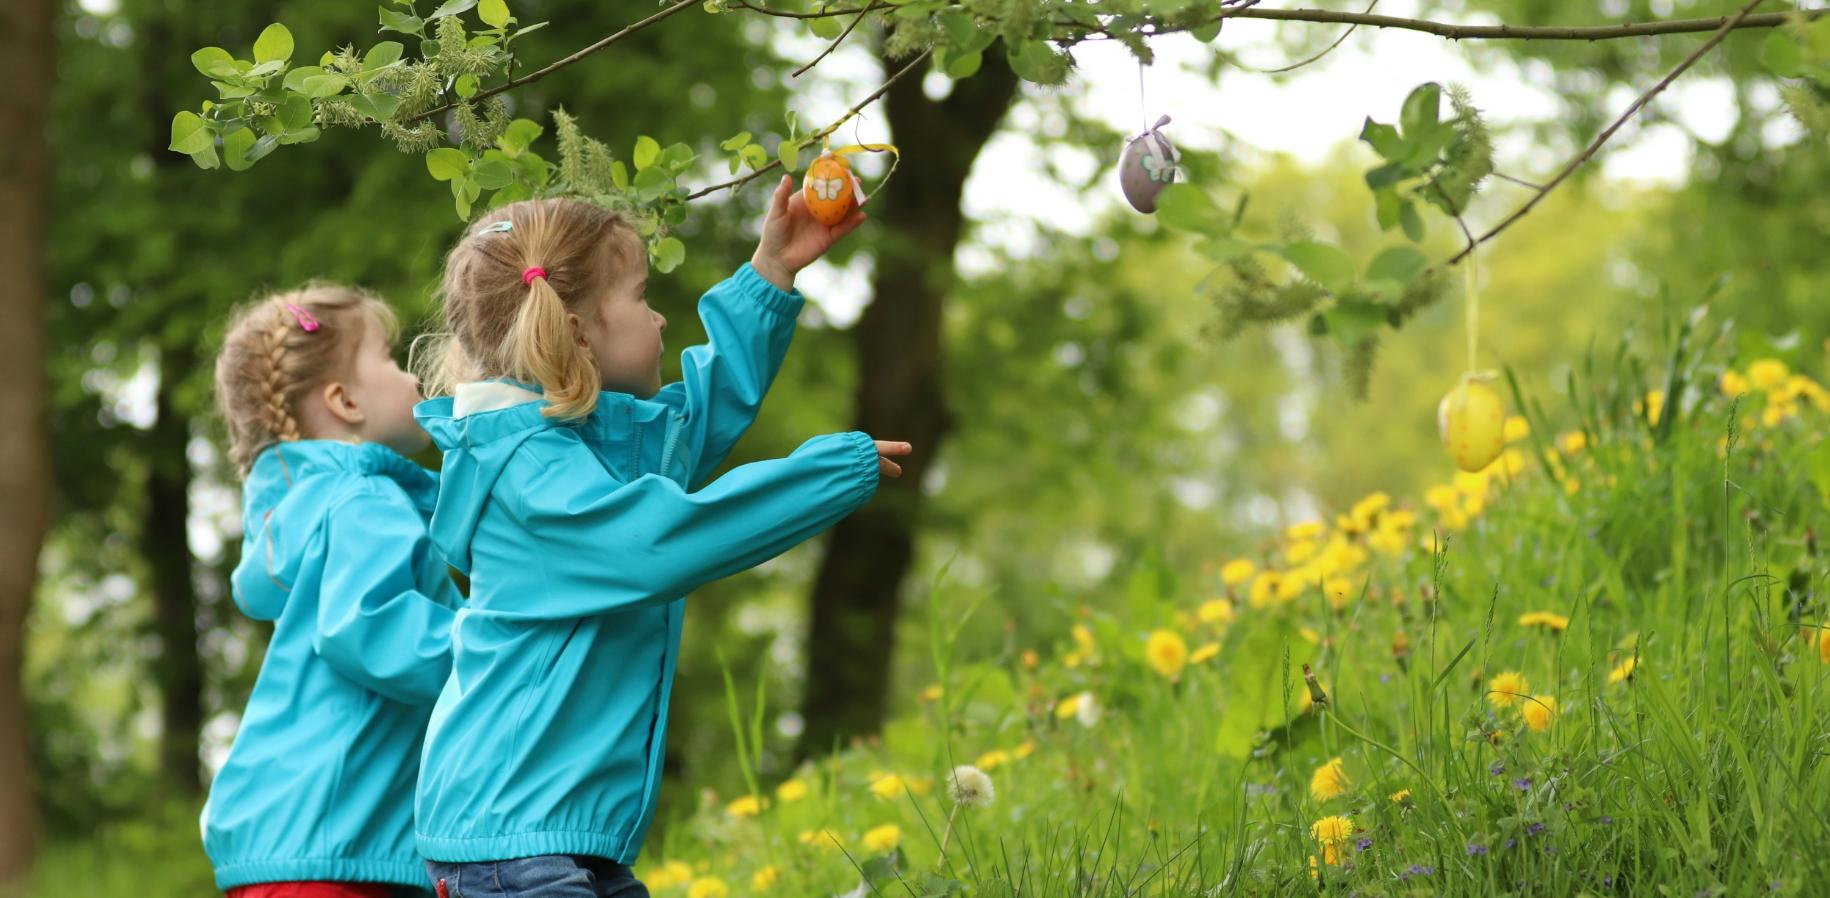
pixel 284 501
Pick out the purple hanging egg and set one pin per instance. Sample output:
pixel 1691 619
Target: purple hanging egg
pixel 1149 165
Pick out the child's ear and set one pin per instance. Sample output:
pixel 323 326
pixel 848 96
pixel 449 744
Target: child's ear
pixel 342 404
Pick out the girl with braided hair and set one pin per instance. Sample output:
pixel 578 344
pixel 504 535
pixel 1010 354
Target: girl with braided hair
pixel 315 798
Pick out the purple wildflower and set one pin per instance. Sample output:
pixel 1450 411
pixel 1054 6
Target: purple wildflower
pixel 1523 783
pixel 1534 829
pixel 1364 843
pixel 1476 850
pixel 1498 768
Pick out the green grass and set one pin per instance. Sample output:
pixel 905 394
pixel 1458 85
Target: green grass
pixel 1701 774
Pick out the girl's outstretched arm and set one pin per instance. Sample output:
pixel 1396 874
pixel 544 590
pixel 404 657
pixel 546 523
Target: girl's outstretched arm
pixel 374 625
pixel 604 546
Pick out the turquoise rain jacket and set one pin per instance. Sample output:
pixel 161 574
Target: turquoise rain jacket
pixel 581 540
pixel 318 784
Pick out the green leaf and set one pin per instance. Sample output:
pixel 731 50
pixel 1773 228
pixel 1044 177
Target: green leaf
pixel 669 252
pixel 754 156
pixel 303 135
pixel 379 107
pixel 275 43
pixel 1351 322
pixel 405 23
pixel 1387 204
pixel 789 152
pixel 1385 175
pixel 382 55
pixel 447 163
pixel 262 146
pixel 1383 138
pixel 266 69
pixel 189 135
pixel 1206 33
pixel 1322 263
pixel 1220 250
pixel 825 27
pixel 1188 208
pixel 320 86
pixel 205 159
pixel 677 156
pixel 651 183
pixel 1037 62
pixel 493 174
pixel 1399 263
pixel 235 149
pixel 524 31
pixel 493 12
pixel 965 65
pixel 518 136
pixel 1783 55
pixel 295 113
pixel 295 78
pixel 210 61
pixel 1421 109
pixel 619 175
pixel 466 86
pixel 1412 221
pixel 1421 149
pixel 452 8
pixel 646 149
pixel 738 141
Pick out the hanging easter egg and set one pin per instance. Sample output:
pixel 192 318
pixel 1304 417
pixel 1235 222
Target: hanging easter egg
pixel 1148 166
pixel 1472 421
pixel 830 189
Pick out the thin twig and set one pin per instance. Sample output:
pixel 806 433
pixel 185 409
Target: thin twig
pixel 823 132
pixel 1519 181
pixel 1317 57
pixel 560 64
pixel 822 14
pixel 832 46
pixel 1722 30
pixel 1506 32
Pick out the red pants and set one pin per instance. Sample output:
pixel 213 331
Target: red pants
pixel 311 890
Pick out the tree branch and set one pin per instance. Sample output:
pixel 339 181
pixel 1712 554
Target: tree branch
pixel 562 63
pixel 823 14
pixel 832 46
pixel 823 132
pixel 1722 30
pixel 1507 32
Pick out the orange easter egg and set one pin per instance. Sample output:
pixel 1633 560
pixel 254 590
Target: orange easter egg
pixel 830 189
pixel 1472 421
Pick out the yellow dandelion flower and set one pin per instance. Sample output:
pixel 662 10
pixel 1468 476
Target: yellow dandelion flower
pixel 1083 638
pixel 1030 659
pixel 1307 530
pixel 791 790
pixel 1553 622
pixel 1201 655
pixel 1516 428
pixel 889 785
pixel 992 759
pixel 931 693
pixel 1654 405
pixel 1301 551
pixel 1821 636
pixel 708 887
pixel 1071 659
pixel 1624 671
pixel 764 879
pixel 883 838
pixel 747 806
pixel 670 874
pixel 1264 589
pixel 1507 688
pixel 1215 611
pixel 1329 781
pixel 1767 373
pixel 1733 384
pixel 1335 830
pixel 1442 498
pixel 1402 796
pixel 1066 708
pixel 1309 634
pixel 1024 749
pixel 1573 442
pixel 1167 653
pixel 1237 571
pixel 1539 711
pixel 823 839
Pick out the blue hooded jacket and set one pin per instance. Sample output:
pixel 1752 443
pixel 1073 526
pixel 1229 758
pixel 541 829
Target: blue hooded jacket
pixel 318 785
pixel 581 539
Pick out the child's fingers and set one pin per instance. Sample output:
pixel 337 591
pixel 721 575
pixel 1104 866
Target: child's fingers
pixel 849 223
pixel 893 447
pixel 778 204
pixel 887 468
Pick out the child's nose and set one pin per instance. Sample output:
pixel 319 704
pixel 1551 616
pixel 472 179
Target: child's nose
pixel 660 321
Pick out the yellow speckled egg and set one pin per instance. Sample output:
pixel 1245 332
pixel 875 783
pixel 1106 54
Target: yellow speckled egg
pixel 830 189
pixel 1472 421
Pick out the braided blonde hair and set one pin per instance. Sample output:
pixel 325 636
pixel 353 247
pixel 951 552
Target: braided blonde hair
pixel 499 324
pixel 269 361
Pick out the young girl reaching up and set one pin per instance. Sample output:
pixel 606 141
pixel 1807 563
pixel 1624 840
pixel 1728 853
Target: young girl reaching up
pixel 315 799
pixel 568 496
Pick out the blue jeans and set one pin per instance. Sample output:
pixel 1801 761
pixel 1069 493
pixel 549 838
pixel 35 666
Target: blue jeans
pixel 547 876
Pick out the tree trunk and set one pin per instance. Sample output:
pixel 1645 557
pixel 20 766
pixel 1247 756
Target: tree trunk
pixel 25 455
pixel 165 545
pixel 900 397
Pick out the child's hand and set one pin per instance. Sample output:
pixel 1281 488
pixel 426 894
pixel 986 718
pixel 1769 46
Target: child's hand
pixel 792 239
pixel 887 450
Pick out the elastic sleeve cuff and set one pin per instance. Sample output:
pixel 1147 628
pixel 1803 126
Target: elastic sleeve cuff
pixel 786 303
pixel 868 477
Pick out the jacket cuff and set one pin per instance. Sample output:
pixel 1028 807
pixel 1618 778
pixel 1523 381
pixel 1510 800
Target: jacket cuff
pixel 782 302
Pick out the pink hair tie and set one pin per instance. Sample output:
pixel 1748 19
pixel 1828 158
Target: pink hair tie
pixel 535 271
pixel 305 319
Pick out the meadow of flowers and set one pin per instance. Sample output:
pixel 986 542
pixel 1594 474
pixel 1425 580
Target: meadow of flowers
pixel 1597 667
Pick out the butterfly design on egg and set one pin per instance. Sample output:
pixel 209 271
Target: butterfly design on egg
pixel 826 188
